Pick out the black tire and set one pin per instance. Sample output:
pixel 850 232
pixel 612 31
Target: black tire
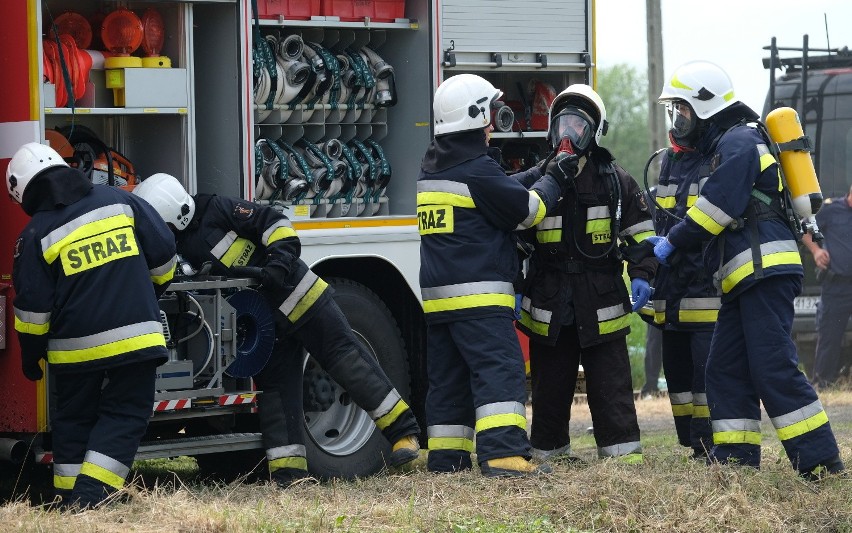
pixel 361 451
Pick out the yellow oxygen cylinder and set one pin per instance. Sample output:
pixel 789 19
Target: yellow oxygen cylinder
pixel 784 127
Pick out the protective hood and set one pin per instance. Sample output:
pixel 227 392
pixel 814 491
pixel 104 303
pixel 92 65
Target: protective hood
pixel 452 149
pixel 721 122
pixel 54 188
pixel 733 114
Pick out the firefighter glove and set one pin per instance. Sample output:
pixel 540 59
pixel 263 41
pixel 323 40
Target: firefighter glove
pixel 32 369
pixel 641 292
pixel 563 168
pixel 662 248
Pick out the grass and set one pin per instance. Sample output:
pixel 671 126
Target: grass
pixel 668 492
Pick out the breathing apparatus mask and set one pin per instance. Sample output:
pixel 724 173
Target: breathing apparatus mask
pixel 684 131
pixel 572 131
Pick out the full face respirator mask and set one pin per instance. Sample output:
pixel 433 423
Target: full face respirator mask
pixel 572 131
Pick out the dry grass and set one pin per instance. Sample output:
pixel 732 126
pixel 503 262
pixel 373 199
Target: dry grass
pixel 667 493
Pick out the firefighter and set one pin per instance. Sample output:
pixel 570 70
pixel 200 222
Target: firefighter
pixel 575 305
pixel 754 260
pixel 232 234
pixel 468 209
pixel 88 269
pixel 686 303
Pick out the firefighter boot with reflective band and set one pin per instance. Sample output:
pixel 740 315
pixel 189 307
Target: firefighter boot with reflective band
pixel 404 451
pixel 515 466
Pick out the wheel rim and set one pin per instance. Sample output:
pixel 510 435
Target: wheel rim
pixel 334 422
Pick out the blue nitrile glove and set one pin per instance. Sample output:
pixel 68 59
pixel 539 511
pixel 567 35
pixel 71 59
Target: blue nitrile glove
pixel 662 248
pixel 518 298
pixel 641 292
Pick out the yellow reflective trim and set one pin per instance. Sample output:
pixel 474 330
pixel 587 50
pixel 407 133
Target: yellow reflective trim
pixel 392 416
pixel 766 161
pixel 541 328
pixel 165 278
pixel 296 463
pixel 667 201
pixel 695 316
pixel 545 236
pixel 281 233
pixel 800 428
pixel 238 253
pixel 728 96
pixel 683 409
pixel 641 236
pixel 690 200
pixel 85 231
pixel 29 327
pixel 64 482
pixel 611 326
pixel 501 420
pixel 631 458
pixel 704 220
pixel 444 198
pixel 435 219
pixel 99 250
pixel 308 300
pixel 541 212
pixel 595 226
pixel 736 437
pixel 468 302
pixel 450 443
pixel 102 474
pixel 771 260
pixel 701 411
pixel 106 350
pixel 675 82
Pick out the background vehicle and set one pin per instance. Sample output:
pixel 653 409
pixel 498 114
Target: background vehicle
pixel 825 81
pixel 201 119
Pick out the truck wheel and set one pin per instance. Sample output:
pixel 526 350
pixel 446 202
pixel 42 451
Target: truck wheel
pixel 340 438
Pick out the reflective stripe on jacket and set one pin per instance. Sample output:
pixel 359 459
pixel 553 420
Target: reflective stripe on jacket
pixel 575 273
pixel 467 214
pixel 231 233
pixel 87 276
pixel 684 295
pixel 743 169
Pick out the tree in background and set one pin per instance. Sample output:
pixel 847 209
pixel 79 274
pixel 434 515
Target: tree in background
pixel 624 89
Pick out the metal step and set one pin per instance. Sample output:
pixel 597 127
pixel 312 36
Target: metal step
pixel 198 445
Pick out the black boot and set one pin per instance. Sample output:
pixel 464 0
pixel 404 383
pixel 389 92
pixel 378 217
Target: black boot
pixel 823 469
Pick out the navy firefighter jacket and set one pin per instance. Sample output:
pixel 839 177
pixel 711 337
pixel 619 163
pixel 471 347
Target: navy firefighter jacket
pixel 685 297
pixel 231 233
pixel 87 272
pixel 468 209
pixel 738 207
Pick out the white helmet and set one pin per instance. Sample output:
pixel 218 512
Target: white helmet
pixel 584 98
pixel 463 102
pixel 703 85
pixel 168 197
pixel 27 163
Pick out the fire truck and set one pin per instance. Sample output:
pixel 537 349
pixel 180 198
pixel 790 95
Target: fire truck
pixel 321 108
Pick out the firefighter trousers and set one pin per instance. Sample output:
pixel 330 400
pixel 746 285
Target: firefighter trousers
pixel 684 363
pixel 609 391
pixel 753 360
pixel 100 419
pixel 477 385
pixel 328 338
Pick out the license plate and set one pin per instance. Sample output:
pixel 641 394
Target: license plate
pixel 805 305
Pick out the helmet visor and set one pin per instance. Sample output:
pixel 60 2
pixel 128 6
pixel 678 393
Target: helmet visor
pixel 682 117
pixel 575 125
